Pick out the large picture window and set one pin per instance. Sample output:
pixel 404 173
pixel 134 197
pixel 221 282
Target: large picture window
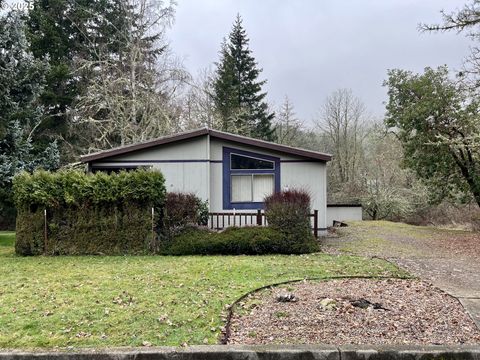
pixel 248 178
pixel 252 188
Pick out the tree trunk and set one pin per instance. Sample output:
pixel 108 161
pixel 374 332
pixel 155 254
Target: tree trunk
pixel 469 178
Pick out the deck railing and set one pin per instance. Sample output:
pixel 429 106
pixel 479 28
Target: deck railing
pixel 222 220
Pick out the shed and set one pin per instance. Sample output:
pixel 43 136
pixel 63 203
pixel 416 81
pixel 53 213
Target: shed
pixel 234 173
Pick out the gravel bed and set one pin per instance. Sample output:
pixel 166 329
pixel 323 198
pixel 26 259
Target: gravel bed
pixel 392 311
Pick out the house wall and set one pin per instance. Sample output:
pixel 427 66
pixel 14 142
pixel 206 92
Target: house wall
pixel 343 213
pixel 295 172
pixel 312 177
pixel 195 165
pixel 184 164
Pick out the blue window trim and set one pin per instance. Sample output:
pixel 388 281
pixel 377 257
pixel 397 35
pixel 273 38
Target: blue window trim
pixel 227 182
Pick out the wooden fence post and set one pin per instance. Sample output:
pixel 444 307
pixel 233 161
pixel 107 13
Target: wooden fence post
pixel 45 233
pixel 153 230
pixel 315 223
pixel 259 217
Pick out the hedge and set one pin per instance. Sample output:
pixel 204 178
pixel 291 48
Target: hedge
pixel 253 240
pixel 88 213
pixel 110 214
pixel 75 188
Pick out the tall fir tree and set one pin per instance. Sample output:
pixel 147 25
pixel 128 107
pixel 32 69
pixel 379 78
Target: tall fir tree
pixel 237 91
pixel 22 80
pixel 65 31
pixel 22 77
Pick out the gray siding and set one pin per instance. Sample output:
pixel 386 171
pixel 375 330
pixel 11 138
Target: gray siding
pixel 311 176
pixel 185 164
pixel 195 166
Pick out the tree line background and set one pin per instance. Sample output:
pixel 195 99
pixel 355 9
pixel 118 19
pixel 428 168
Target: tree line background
pixel 78 76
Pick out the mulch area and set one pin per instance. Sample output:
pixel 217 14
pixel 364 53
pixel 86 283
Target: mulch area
pixel 353 311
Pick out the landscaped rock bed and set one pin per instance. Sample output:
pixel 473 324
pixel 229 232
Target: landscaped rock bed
pixel 352 311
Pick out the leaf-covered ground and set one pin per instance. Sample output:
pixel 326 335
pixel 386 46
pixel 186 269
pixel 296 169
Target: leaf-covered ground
pixel 48 302
pixel 447 258
pixel 390 239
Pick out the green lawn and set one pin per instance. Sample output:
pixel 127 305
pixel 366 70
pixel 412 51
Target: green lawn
pixel 7 242
pixel 89 301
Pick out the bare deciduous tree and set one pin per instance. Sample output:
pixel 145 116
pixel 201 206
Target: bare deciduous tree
pixel 388 191
pixel 466 19
pixel 342 120
pixel 129 97
pixel 198 106
pixel 288 128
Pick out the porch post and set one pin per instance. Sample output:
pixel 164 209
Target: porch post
pixel 259 217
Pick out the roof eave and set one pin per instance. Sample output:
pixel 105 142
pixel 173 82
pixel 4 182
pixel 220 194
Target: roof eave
pixel 141 146
pixel 271 146
pixel 213 133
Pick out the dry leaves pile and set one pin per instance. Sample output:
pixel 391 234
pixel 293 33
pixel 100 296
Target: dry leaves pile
pixel 461 243
pixel 413 313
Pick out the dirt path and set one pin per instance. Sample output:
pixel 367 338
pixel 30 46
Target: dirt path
pixel 449 259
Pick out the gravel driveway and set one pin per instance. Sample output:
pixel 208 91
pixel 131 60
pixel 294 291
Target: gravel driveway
pixel 449 259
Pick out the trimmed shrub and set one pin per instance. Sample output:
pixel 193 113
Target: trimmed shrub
pixel 202 211
pixel 44 189
pixel 29 239
pixel 288 212
pixel 88 213
pixel 181 210
pixel 253 240
pixel 86 231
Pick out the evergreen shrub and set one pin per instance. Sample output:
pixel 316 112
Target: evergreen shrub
pixel 87 213
pixel 288 212
pixel 250 240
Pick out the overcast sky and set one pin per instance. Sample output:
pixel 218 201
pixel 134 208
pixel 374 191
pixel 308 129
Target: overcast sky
pixel 309 48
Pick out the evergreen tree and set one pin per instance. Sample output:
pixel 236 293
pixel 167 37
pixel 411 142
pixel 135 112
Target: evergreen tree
pixel 238 95
pixel 65 32
pixel 436 120
pixel 22 79
pixel 21 76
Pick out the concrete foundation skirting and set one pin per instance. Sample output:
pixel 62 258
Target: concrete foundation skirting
pixel 240 352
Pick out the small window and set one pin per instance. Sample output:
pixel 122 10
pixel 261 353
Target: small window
pixel 252 187
pixel 117 169
pixel 110 169
pixel 241 162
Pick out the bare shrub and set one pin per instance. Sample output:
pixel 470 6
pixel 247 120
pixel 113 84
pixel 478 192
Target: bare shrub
pixel 448 214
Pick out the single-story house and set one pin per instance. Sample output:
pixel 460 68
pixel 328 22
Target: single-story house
pixel 232 172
